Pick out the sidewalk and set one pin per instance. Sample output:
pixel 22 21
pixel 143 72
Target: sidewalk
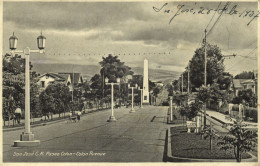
pixel 41 120
pixel 223 118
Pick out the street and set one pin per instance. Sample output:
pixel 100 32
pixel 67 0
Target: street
pixel 135 137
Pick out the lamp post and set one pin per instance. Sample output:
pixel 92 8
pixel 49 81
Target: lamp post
pixel 27 138
pixel 141 106
pixel 134 87
pixel 170 98
pixel 112 117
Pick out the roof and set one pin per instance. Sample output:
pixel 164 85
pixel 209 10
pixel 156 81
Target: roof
pixel 54 75
pixel 65 76
pixel 238 82
pixel 74 77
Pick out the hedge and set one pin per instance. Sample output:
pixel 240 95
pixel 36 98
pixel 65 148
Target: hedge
pixel 251 113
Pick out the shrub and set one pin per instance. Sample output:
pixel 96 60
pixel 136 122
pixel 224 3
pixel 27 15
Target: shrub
pixel 235 108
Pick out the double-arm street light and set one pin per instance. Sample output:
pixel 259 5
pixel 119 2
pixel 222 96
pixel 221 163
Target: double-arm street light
pixel 134 87
pixel 112 117
pixel 27 138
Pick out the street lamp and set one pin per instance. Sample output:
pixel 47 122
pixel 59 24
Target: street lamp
pixel 141 96
pixel 134 87
pixel 27 138
pixel 170 98
pixel 112 117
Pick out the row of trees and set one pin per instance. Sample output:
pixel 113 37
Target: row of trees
pixel 57 98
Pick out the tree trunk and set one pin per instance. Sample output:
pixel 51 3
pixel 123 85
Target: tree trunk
pixel 210 142
pixel 238 154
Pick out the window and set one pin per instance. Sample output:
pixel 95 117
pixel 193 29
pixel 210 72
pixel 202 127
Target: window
pixel 43 84
pixel 145 97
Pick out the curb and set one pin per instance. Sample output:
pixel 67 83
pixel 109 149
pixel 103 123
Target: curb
pixel 44 123
pixel 171 158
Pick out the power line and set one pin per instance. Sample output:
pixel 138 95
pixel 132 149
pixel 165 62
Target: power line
pixel 208 24
pixel 213 15
pixel 104 54
pixel 217 19
pixel 244 57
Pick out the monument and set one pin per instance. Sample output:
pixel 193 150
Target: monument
pixel 145 83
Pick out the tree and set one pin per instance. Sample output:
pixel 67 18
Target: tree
pixel 215 66
pixel 156 91
pixel 245 75
pixel 55 98
pixel 169 88
pixel 240 139
pixel 193 109
pixel 14 83
pixel 113 68
pixel 246 96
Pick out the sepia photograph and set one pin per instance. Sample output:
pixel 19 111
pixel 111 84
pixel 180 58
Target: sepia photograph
pixel 129 82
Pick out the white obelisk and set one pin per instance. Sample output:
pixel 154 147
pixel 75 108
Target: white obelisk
pixel 145 83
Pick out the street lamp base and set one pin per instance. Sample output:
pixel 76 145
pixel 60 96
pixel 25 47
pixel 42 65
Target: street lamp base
pixel 26 139
pixel 112 119
pixel 19 143
pixel 132 110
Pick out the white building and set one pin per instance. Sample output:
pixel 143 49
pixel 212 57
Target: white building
pixel 47 78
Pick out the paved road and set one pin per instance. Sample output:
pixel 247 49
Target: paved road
pixel 135 137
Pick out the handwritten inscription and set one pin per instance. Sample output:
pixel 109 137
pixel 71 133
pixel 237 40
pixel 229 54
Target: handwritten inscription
pixel 58 154
pixel 228 9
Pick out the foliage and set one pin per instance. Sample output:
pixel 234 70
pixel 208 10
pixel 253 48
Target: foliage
pixel 245 75
pixel 240 139
pixel 13 85
pixel 55 98
pixel 96 87
pixel 156 91
pixel 191 110
pixel 215 66
pixel 204 93
pixel 113 68
pixel 246 97
pixel 211 93
pixel 169 88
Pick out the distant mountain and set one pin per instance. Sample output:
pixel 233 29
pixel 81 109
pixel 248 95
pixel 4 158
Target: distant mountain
pixel 88 71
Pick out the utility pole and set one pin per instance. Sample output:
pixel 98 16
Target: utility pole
pixel 182 83
pixel 72 82
pixel 205 77
pixel 188 90
pixel 103 83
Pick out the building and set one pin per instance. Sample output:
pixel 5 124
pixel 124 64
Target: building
pixel 76 78
pixel 48 78
pixel 244 84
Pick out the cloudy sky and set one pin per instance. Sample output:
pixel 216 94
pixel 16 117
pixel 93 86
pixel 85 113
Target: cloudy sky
pixel 83 32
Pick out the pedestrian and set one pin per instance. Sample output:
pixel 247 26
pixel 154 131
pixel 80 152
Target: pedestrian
pixel 18 114
pixel 70 115
pixel 78 115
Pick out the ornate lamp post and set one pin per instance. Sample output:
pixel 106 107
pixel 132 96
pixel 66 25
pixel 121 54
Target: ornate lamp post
pixel 141 97
pixel 112 117
pixel 27 138
pixel 134 87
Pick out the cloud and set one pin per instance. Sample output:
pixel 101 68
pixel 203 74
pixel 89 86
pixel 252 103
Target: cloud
pixel 127 27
